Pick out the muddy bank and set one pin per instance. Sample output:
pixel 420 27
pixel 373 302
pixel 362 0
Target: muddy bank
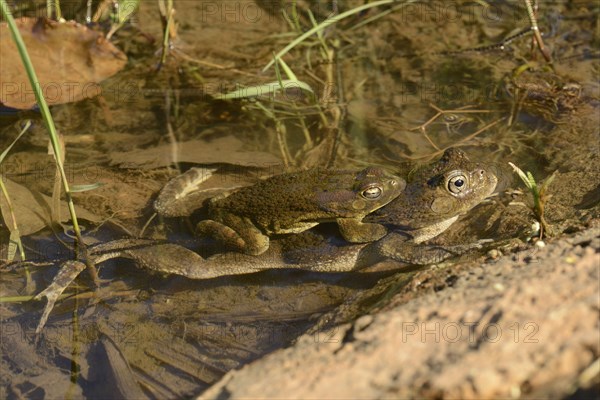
pixel 525 325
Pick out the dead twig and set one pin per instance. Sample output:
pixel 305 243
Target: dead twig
pixel 531 13
pixel 460 143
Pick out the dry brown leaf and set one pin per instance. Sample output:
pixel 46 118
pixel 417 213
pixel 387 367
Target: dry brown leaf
pixel 33 210
pixel 225 150
pixel 69 59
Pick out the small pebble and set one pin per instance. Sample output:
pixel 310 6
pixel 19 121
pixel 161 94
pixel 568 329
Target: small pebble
pixel 570 260
pixel 493 254
pixel 535 228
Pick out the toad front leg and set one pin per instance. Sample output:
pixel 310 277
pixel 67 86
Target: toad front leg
pixel 245 238
pixel 355 231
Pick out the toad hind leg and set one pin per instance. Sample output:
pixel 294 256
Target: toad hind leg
pixel 250 241
pixel 355 231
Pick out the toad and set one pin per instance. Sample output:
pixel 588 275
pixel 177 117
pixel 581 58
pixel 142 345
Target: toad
pixel 295 202
pixel 433 200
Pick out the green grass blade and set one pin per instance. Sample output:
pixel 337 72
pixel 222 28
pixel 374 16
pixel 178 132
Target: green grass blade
pixel 266 89
pixel 14 243
pixel 53 9
pixel 288 71
pixel 278 75
pixel 16 299
pixel 547 183
pixel 521 174
pixel 10 146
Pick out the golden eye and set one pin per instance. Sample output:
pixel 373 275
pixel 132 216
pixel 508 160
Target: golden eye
pixel 457 183
pixel 372 193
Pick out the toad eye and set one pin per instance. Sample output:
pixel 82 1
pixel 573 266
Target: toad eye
pixel 372 193
pixel 457 183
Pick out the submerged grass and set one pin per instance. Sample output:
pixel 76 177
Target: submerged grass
pixel 15 237
pixel 269 89
pixel 14 243
pixel 328 22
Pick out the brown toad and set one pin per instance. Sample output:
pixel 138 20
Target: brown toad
pixel 295 202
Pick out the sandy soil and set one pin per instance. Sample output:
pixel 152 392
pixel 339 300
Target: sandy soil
pixel 525 325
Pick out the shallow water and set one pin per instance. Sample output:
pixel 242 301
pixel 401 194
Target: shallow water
pixel 388 79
